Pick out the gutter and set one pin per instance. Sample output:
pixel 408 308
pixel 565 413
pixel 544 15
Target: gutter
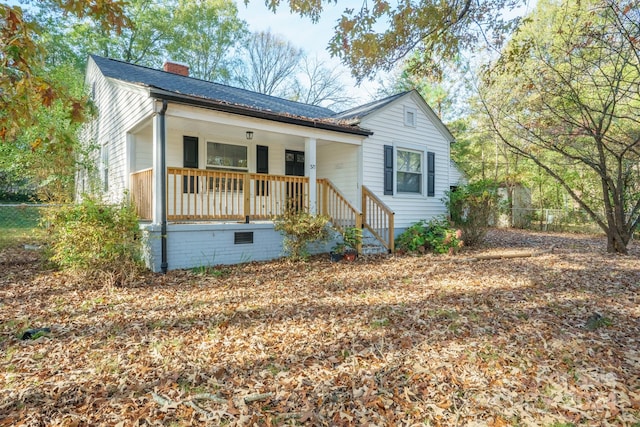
pixel 252 112
pixel 163 187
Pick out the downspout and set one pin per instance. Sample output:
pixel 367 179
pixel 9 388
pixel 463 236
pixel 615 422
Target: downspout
pixel 163 187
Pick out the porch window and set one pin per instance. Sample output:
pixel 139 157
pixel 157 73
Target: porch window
pixel 409 171
pixel 227 156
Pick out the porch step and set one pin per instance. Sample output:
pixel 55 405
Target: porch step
pixel 371 245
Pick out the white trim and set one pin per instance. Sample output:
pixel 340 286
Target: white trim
pixel 412 148
pixel 410 116
pixel 310 170
pixel 230 168
pixel 221 118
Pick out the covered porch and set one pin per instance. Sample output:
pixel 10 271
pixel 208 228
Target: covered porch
pixel 204 195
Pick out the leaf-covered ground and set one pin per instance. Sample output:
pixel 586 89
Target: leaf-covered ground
pixel 550 340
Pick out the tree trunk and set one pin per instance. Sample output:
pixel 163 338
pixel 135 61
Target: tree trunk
pixel 617 240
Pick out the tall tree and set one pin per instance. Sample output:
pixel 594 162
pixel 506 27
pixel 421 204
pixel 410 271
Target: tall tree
pixel 320 85
pixel 270 61
pixel 205 35
pixel 565 96
pixel 142 42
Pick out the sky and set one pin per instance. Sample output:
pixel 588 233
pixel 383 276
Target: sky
pixel 313 38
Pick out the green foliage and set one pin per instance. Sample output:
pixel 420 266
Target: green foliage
pixel 202 34
pixel 96 239
pixel 436 236
pixel 380 33
pixel 472 208
pixel 300 228
pixel 25 84
pixel 566 101
pixel 351 238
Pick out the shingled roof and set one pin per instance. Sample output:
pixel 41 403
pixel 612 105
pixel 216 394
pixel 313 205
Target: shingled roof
pixel 357 113
pixel 189 86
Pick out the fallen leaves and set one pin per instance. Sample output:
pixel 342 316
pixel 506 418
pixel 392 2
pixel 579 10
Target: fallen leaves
pixel 386 341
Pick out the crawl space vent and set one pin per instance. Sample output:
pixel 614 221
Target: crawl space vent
pixel 243 238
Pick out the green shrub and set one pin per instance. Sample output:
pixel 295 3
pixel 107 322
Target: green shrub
pixel 96 239
pixel 435 236
pixel 300 228
pixel 473 208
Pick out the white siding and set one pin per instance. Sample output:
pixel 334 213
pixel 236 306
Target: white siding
pixel 389 128
pixel 119 109
pixel 143 149
pixel 339 163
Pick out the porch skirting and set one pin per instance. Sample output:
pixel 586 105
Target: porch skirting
pixel 191 245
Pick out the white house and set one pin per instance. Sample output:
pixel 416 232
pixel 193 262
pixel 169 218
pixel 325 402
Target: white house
pixel 208 166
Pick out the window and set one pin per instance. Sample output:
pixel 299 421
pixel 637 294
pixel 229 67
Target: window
pixel 105 167
pixel 226 156
pixel 410 116
pixel 409 171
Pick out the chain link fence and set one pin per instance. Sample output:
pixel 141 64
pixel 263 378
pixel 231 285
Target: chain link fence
pixel 542 219
pixel 20 223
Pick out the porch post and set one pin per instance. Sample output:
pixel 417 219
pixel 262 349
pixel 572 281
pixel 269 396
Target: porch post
pixel 160 180
pixel 158 176
pixel 310 171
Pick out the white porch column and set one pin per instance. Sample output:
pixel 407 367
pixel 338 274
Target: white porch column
pixel 310 171
pixel 157 168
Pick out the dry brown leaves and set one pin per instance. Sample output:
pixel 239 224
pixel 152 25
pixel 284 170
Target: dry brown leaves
pixel 385 341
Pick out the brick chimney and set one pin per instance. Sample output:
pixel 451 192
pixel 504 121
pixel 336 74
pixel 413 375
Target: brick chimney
pixel 175 68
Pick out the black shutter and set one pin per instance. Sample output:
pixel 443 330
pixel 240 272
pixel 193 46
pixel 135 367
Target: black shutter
pixel 190 160
pixel 388 170
pixel 431 174
pixel 262 159
pixel 190 152
pixel 262 166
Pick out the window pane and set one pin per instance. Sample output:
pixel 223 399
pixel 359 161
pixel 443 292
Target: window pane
pixel 409 161
pixel 226 155
pixel 409 182
pixel 409 171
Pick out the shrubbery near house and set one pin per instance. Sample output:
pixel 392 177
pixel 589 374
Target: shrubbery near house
pixel 300 228
pixel 435 236
pixel 95 239
pixel 473 208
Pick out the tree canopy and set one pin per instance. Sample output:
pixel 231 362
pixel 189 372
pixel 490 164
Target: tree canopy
pixel 564 95
pixel 25 83
pixel 379 34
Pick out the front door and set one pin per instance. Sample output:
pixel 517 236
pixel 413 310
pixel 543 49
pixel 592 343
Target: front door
pixel 294 166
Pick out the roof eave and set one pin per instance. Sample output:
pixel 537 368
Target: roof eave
pixel 252 112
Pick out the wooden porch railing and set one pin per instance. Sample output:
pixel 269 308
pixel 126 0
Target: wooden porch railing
pixel 196 194
pixel 378 218
pixel 332 203
pixel 141 193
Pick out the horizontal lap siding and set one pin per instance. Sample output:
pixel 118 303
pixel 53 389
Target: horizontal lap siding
pixel 339 163
pixel 143 149
pixel 119 110
pixel 389 129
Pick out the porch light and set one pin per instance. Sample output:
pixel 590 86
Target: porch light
pixel 249 135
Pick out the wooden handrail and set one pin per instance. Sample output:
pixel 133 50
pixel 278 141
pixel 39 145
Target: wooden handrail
pixel 378 218
pixel 336 206
pixel 332 203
